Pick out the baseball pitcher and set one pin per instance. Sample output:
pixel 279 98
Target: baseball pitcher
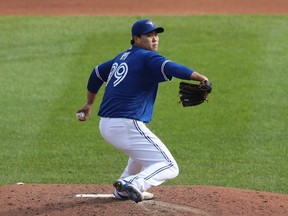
pixel 131 81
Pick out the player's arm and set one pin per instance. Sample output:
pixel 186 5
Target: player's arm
pixel 94 84
pixel 182 72
pixel 88 106
pixel 98 76
pixel 198 77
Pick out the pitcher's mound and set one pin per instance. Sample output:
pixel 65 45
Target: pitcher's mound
pixel 46 199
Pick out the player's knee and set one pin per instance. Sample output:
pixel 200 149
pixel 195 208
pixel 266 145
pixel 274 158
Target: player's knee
pixel 175 170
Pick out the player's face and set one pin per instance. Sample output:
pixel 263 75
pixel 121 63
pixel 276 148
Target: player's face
pixel 148 41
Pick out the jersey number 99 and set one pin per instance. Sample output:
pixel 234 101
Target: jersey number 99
pixel 119 72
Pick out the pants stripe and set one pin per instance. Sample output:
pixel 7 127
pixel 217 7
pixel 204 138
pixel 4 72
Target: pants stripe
pixel 158 171
pixel 150 140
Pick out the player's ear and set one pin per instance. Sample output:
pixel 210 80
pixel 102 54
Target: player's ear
pixel 133 40
pixel 136 39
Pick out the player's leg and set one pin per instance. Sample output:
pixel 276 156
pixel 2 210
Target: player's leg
pixel 158 163
pixel 116 132
pixel 132 168
pixel 143 147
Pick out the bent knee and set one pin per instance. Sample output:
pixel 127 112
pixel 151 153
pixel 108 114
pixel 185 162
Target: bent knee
pixel 175 170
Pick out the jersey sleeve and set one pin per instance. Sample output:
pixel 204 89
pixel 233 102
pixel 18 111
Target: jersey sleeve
pixel 155 63
pixel 98 76
pixel 177 70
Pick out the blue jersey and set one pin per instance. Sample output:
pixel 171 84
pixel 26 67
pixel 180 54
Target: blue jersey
pixel 132 80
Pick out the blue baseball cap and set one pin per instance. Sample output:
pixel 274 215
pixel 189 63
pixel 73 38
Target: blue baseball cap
pixel 144 27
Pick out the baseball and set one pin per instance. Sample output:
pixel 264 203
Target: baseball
pixel 80 115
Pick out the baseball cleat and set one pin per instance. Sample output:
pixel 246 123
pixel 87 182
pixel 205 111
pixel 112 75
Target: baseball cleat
pixel 147 195
pixel 133 193
pixel 119 185
pixel 124 196
pixel 120 195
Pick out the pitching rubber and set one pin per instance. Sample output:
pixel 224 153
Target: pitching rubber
pixel 95 195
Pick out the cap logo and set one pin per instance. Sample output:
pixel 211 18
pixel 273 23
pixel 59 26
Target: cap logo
pixel 150 23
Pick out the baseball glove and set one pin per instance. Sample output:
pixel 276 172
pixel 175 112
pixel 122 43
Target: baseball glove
pixel 194 94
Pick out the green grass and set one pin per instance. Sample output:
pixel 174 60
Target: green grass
pixel 237 139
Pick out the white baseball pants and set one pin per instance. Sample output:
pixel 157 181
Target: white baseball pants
pixel 150 162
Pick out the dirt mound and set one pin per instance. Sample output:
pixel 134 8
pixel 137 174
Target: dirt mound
pixel 62 199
